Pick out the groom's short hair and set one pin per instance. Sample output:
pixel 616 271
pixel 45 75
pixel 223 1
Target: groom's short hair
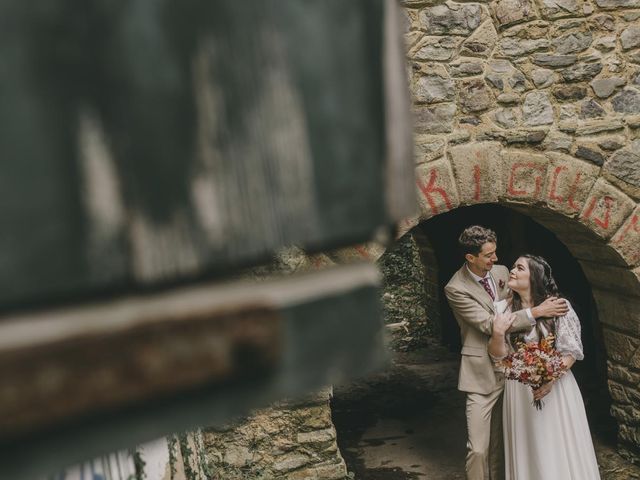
pixel 474 237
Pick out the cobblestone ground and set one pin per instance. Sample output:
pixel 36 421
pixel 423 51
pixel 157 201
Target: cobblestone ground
pixel 408 423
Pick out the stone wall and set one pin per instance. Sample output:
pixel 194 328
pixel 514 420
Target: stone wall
pixel 556 75
pixel 535 104
pixel 291 440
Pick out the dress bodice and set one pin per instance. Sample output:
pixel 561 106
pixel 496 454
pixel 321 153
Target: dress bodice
pixel 568 341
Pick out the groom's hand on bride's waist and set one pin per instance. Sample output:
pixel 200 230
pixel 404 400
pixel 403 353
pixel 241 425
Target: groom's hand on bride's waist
pixel 551 307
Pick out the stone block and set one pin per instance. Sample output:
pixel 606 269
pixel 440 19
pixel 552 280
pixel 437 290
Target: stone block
pixel 511 47
pixel 618 395
pixel 434 119
pixel 437 192
pixel 556 141
pixel 627 101
pixel 482 41
pixel 523 176
pixel 290 461
pixel 434 48
pixel 606 209
pixel 316 417
pixel 505 118
pixel 574 42
pixel 317 436
pixel 635 361
pixel 614 4
pixel 589 152
pixel 451 18
pixel 474 96
pixel 565 93
pixel 428 147
pixel 581 72
pixel 528 137
pixel 632 56
pixel 618 311
pixel 612 143
pixel 568 183
pixel 238 456
pixel 537 109
pixel 623 169
pixel 542 77
pixel 604 87
pixel 603 276
pixel 458 136
pixel 336 471
pixel 630 37
pixel 605 22
pixel 591 109
pixel 622 374
pixel 619 347
pixel 510 12
pixel 568 117
pixel 476 168
pixel 508 98
pixel 553 61
pixel 605 44
pixel 560 8
pixel 630 434
pixel 600 126
pixel 626 241
pixel 433 89
pixel 465 67
pixel 618 412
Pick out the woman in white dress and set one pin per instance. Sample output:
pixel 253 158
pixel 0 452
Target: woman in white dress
pixel 554 442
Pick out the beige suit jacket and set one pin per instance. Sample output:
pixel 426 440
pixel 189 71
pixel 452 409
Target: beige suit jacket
pixel 474 311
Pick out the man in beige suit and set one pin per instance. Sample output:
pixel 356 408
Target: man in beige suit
pixel 474 294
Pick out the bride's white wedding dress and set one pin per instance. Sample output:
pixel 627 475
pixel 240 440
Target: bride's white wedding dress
pixel 555 442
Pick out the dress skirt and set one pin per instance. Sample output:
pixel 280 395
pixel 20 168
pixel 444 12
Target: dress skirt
pixel 548 444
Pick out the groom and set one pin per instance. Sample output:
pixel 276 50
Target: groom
pixel 472 293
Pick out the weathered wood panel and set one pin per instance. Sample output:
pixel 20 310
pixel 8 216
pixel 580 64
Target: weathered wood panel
pixel 148 142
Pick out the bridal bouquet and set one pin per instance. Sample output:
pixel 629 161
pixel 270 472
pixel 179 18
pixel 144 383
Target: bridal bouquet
pixel 534 364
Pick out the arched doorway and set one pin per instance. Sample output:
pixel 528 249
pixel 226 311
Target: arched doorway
pixel 518 234
pixel 584 266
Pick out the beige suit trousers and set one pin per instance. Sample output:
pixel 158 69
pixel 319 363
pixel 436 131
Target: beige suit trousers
pixel 485 451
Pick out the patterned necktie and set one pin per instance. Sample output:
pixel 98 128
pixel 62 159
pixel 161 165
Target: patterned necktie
pixel 485 283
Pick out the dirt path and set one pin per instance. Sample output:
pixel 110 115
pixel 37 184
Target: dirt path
pixel 408 423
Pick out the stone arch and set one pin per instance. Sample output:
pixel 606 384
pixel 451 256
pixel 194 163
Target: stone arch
pixel 592 217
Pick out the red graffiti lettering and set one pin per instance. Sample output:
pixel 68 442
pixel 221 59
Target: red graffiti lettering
pixel 572 192
pixel 608 203
pixel 633 225
pixel 430 188
pixel 572 189
pixel 511 188
pixel 476 178
pixel 554 181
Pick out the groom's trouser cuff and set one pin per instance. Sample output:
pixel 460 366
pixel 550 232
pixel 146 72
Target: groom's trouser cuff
pixel 479 412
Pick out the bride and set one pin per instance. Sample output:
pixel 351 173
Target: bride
pixel 552 443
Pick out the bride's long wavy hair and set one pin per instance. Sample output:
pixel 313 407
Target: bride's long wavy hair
pixel 543 286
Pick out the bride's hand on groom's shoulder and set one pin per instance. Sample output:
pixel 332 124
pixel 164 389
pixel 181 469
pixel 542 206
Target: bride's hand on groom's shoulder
pixel 551 307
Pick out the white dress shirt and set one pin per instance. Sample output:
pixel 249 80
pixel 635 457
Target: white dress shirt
pixel 492 285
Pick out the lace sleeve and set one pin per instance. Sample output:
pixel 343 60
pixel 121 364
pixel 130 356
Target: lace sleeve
pixel 568 340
